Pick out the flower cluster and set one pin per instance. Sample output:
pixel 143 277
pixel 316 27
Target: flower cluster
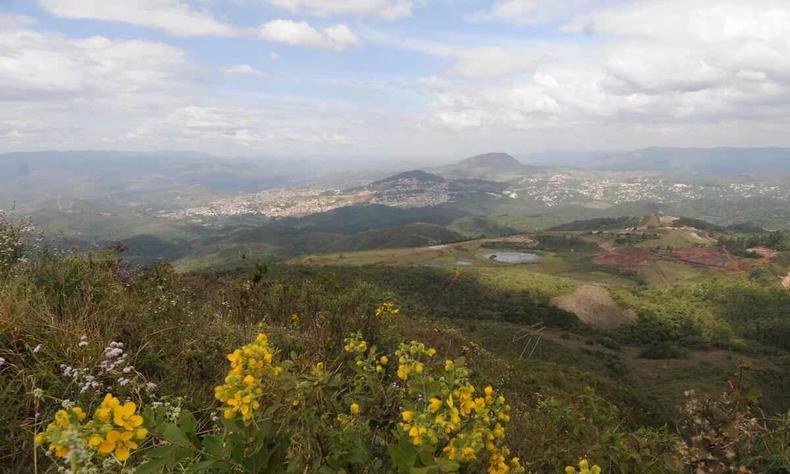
pixel 443 410
pixel 61 432
pixel 114 369
pixel 372 362
pixel 584 468
pixel 387 310
pixel 409 356
pixel 243 386
pixel 14 240
pixel 355 344
pixel 114 429
pixel 119 427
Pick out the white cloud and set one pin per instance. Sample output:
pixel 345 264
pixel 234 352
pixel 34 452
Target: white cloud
pixel 35 65
pixel 337 37
pixel 651 64
pixel 173 16
pixel 243 69
pixel 529 12
pixel 388 9
pixel 77 93
pixel 491 61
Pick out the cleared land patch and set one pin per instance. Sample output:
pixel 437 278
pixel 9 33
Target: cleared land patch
pixel 594 306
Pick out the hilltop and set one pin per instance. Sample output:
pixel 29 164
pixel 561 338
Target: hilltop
pixel 488 166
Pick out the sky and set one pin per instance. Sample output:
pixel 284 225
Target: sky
pixel 392 78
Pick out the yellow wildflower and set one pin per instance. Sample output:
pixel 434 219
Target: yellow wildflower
pixel 125 416
pixel 118 443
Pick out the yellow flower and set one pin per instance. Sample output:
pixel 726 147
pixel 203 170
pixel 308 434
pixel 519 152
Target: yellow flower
pixel 118 442
pixel 403 372
pixel 431 352
pixel 448 365
pixel 108 405
pixel 489 390
pixel 125 417
pixel 384 360
pixel 354 409
pixel 243 384
pixel 408 416
pixel 40 439
pixel 60 451
pixel 387 309
pixel 435 404
pixel 468 453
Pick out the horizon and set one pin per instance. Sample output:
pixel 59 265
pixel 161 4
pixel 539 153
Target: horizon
pixel 397 80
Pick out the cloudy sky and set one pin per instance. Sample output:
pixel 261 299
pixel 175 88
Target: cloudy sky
pixel 392 78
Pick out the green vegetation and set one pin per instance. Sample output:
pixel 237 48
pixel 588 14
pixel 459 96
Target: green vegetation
pixel 779 240
pixel 476 227
pixel 564 243
pixel 77 326
pixel 600 223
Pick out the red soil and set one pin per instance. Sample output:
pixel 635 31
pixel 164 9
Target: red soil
pixel 622 257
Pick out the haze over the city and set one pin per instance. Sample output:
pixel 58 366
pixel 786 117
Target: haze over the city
pixel 392 78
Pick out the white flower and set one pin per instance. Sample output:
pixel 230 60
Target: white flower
pixel 36 349
pixel 2 361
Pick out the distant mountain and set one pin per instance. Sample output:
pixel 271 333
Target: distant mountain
pixel 701 161
pixel 488 166
pixel 416 176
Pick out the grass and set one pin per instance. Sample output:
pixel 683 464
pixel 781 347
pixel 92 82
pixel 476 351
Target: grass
pixel 177 329
pixel 674 238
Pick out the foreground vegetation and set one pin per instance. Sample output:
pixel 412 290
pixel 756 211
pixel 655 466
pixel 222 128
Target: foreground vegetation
pixel 108 368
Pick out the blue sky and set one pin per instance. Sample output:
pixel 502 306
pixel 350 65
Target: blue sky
pixel 392 78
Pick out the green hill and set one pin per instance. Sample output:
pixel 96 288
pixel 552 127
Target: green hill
pixel 376 368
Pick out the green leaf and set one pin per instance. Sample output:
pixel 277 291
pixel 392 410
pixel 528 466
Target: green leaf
pixel 159 452
pixel 403 454
pixel 426 458
pixel 202 466
pixel 187 423
pixel 212 444
pixel 445 465
pixel 153 466
pixel 174 434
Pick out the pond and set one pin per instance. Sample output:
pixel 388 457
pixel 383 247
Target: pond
pixel 513 257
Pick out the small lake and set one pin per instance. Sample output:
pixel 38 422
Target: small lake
pixel 513 257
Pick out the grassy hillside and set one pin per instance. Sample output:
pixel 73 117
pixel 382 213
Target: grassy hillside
pixel 75 327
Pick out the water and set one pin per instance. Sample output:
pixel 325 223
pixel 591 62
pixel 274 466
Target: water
pixel 513 257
